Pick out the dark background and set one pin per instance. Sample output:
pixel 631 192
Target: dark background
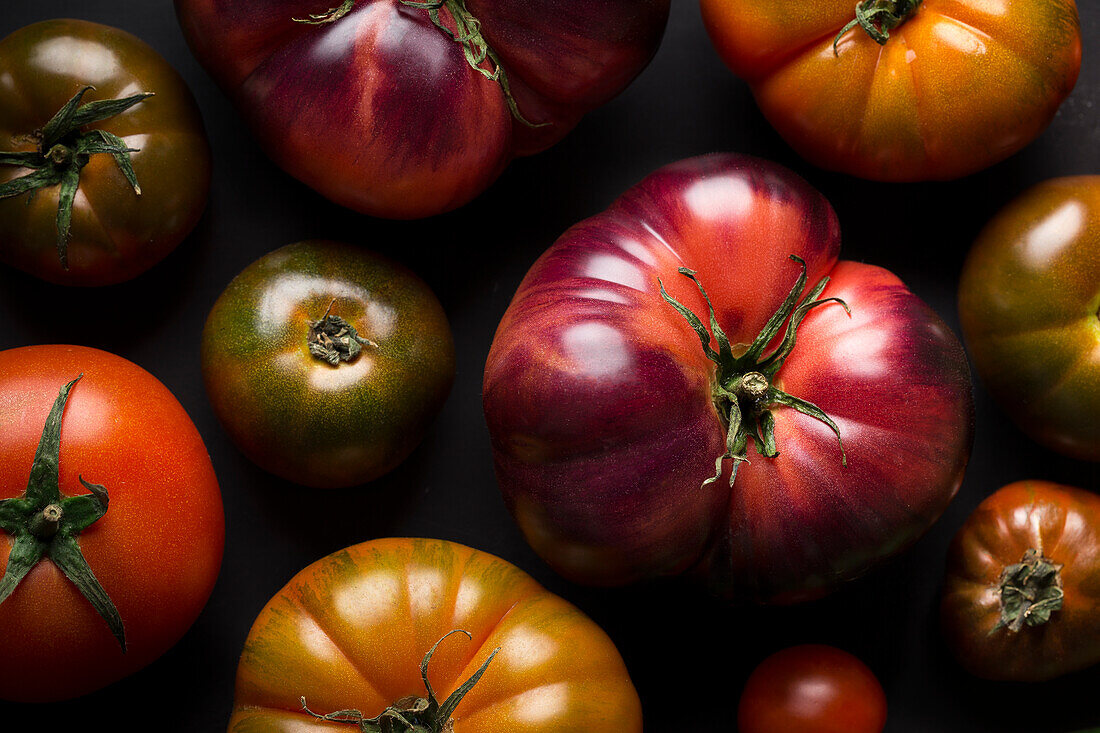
pixel 688 656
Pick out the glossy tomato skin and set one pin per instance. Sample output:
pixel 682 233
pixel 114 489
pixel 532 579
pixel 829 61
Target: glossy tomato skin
pixel 1029 299
pixel 156 551
pixel 1062 523
pixel 349 631
pixel 302 418
pixel 598 395
pixel 812 689
pixel 381 112
pixel 960 85
pixel 116 234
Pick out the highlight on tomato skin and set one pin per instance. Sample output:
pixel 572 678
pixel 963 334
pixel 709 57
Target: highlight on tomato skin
pixel 1029 303
pixel 406 109
pixel 1020 598
pixel 108 492
pixel 812 689
pixel 387 625
pixel 903 90
pixel 327 363
pixel 607 413
pixel 104 162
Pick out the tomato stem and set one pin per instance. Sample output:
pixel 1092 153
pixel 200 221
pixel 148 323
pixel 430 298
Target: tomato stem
pixel 329 16
pixel 1030 591
pixel 412 714
pixel 64 148
pixel 479 53
pixel 46 523
pixel 744 389
pixel 878 18
pixel 335 341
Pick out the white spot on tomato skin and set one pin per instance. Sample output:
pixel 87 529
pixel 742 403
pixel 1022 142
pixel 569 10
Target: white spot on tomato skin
pixel 596 349
pixel 1052 236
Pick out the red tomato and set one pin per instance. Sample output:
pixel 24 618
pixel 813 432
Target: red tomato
pixel 1021 600
pixel 377 106
pixel 931 89
pixel 607 415
pixel 155 548
pixel 812 689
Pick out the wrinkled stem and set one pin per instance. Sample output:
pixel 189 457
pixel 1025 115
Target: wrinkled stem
pixel 1030 591
pixel 878 18
pixel 44 524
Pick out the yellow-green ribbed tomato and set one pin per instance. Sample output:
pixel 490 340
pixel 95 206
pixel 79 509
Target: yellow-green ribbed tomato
pixel 326 362
pixel 1029 301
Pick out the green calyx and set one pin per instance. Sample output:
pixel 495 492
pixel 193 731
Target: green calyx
pixel 335 341
pixel 743 393
pixel 412 714
pixel 878 18
pixel 479 54
pixel 64 148
pixel 46 523
pixel 1030 591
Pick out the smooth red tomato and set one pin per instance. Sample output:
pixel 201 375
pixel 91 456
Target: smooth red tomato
pixel 957 86
pixel 122 222
pixel 1022 596
pixel 409 108
pixel 351 633
pixel 612 414
pixel 148 494
pixel 812 689
pixel 1029 302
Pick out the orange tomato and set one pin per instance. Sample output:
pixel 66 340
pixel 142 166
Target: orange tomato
pixel 958 86
pixel 349 633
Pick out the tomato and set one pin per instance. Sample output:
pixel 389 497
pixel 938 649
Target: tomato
pixel 1029 301
pixel 812 689
pixel 133 513
pixel 377 106
pixel 606 416
pixel 1022 596
pixel 326 363
pixel 131 170
pixel 954 87
pixel 351 632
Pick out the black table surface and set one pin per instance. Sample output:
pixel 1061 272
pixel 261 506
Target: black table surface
pixel 688 656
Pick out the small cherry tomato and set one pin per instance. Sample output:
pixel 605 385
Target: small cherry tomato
pixel 812 689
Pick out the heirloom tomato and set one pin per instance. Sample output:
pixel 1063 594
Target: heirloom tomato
pixel 105 167
pixel 375 631
pixel 607 415
pixel 903 90
pixel 1029 301
pixel 1022 595
pixel 409 108
pixel 812 689
pixel 111 525
pixel 326 363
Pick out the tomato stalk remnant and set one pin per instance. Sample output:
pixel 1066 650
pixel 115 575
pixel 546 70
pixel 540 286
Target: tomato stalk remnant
pixel 412 714
pixel 46 523
pixel 64 148
pixel 467 34
pixel 743 389
pixel 334 340
pixel 1030 592
pixel 878 18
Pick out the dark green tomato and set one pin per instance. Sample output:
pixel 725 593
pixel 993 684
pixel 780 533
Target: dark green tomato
pixel 116 232
pixel 266 352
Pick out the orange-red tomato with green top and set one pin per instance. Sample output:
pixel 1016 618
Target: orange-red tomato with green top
pixel 350 632
pixel 1022 596
pixel 1029 302
pixel 120 226
pixel 326 363
pixel 154 543
pixel 954 87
